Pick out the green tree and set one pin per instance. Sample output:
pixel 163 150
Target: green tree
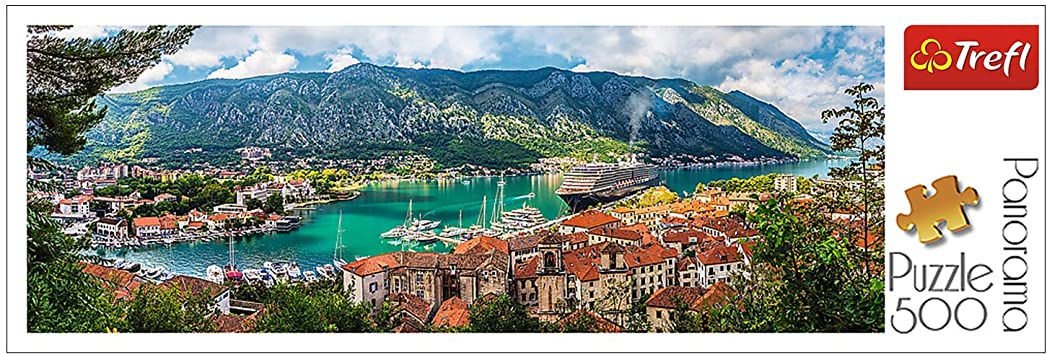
pixel 806 276
pixel 166 310
pixel 861 129
pixel 274 203
pixel 213 194
pixel 253 203
pixel 501 314
pixel 65 76
pixel 61 298
pixel 682 319
pixel 312 309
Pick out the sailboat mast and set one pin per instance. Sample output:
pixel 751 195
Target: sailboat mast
pixel 338 239
pixel 232 253
pixel 482 218
pixel 410 205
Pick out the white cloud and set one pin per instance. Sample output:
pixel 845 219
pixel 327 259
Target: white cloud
pixel 258 63
pixel 341 59
pixel 89 32
pixel 146 79
pixel 800 88
pixel 195 58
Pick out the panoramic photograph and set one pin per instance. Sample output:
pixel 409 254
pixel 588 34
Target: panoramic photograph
pixel 406 179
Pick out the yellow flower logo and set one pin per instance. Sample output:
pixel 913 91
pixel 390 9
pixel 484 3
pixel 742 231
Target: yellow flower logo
pixel 931 64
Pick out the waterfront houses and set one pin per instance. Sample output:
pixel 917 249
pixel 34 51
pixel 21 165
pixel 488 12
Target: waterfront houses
pixel 76 208
pixel 112 229
pixel 291 190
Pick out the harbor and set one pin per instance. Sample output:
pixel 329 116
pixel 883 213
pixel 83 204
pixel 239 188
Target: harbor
pixel 383 205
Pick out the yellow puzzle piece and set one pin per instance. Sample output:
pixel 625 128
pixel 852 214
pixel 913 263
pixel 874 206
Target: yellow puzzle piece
pixel 947 204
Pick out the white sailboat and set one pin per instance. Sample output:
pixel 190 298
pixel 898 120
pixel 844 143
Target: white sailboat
pixel 338 260
pixel 452 231
pixel 399 232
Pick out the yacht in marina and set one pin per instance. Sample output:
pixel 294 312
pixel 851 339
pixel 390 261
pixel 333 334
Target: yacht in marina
pixel 519 219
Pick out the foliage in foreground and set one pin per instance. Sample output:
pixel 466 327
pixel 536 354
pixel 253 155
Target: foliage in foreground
pixel 807 277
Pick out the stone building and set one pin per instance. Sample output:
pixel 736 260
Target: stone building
pixel 431 277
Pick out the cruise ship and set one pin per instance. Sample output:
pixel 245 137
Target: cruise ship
pixel 586 185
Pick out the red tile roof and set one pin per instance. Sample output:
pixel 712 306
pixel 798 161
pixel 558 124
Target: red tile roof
pixel 482 244
pixel 374 264
pixel 524 242
pixel 122 283
pixel 454 312
pixel 527 269
pixel 730 227
pixel 188 285
pixel 618 233
pixel 685 236
pixel 147 222
pixel 413 305
pixel 685 262
pixel 590 219
pixel 717 294
pixel 168 222
pixel 647 255
pixel 719 255
pixel 667 297
pixel 578 238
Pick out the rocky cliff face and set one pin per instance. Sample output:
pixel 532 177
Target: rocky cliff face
pixel 454 116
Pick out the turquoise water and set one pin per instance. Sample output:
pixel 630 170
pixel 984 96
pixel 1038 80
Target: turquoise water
pixel 384 205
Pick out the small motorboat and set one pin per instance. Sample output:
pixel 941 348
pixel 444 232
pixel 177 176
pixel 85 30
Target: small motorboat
pixel 466 182
pixel 132 267
pixel 155 273
pixel 265 274
pixel 119 263
pixel 309 276
pixel 214 274
pixel 252 275
pixel 279 270
pixel 330 271
pixel 234 275
pixel 322 272
pixel 294 272
pixel 166 275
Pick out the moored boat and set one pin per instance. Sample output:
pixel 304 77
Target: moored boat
pixel 214 274
pixel 294 272
pixel 252 275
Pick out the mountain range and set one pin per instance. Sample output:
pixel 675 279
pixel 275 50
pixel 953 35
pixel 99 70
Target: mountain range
pixel 489 117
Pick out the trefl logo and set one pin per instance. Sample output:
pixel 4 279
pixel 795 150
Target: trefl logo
pixel 975 57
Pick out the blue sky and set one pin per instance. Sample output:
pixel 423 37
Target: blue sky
pixel 802 69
